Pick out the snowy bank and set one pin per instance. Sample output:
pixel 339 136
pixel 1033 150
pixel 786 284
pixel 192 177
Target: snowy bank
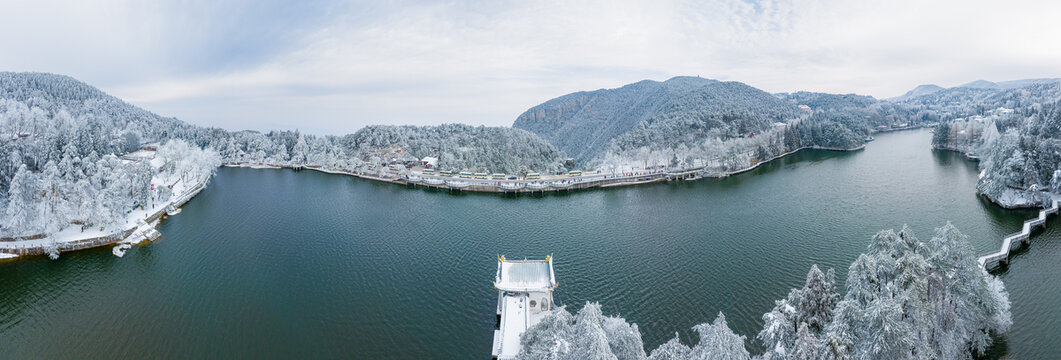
pixel 1014 199
pixel 750 168
pixel 179 172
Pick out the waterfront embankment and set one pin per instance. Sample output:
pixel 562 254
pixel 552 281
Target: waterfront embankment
pixel 540 185
pixel 138 226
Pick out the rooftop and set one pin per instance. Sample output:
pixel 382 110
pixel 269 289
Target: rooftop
pixel 525 275
pixel 525 296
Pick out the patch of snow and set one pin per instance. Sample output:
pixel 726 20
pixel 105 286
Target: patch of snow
pixel 1012 198
pixel 120 250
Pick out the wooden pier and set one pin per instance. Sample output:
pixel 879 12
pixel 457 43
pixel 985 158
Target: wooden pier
pixel 1024 236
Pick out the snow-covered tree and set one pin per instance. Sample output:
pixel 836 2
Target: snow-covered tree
pixel 717 341
pixel 21 204
pixel 905 299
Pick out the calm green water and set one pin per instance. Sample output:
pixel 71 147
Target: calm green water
pixel 276 263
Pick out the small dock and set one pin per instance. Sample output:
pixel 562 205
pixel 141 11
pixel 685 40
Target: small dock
pixel 1024 236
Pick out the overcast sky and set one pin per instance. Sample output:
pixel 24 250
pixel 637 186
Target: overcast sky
pixel 334 66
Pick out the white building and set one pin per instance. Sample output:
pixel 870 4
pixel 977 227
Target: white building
pixel 429 162
pixel 525 296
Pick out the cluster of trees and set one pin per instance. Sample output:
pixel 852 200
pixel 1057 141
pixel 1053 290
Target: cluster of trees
pixel 905 299
pixel 1016 133
pixel 459 147
pixel 718 152
pixel 96 190
pixel 671 144
pixel 863 111
pixel 1018 167
pixel 968 135
pixel 826 130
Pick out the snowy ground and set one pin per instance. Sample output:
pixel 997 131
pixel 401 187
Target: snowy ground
pixel 1011 198
pixel 74 233
pixel 339 172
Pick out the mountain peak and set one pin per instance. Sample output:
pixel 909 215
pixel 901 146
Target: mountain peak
pixel 980 84
pixel 920 90
pixel 584 124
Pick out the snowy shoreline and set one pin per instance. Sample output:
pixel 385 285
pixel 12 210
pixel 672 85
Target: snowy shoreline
pixel 140 225
pixel 579 183
pixel 735 172
pixel 1011 199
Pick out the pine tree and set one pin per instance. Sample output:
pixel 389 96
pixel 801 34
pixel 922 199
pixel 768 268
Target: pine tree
pixel 717 341
pixel 20 215
pixel 818 299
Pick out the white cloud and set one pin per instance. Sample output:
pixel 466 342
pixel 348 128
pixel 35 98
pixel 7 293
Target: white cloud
pixel 486 62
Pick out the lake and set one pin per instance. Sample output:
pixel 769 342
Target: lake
pixel 278 263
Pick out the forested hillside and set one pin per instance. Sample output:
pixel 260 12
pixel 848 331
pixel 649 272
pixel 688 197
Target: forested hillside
pixel 583 124
pixel 963 101
pixel 58 162
pixel 61 142
pixel 918 91
pixel 723 126
pixel 1016 133
pixel 825 121
pixel 459 147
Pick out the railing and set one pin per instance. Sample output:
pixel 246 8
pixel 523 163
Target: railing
pixel 511 186
pixel 1002 254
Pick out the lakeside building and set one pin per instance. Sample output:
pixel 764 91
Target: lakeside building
pixel 525 296
pixel 429 162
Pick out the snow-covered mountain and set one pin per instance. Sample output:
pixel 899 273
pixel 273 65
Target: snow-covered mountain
pixel 1007 85
pixel 583 124
pixel 689 118
pixel 918 91
pixel 1016 84
pixel 978 87
pixel 979 84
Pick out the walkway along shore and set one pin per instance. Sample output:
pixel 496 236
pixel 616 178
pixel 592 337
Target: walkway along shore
pixel 135 231
pixel 1024 235
pixel 1001 257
